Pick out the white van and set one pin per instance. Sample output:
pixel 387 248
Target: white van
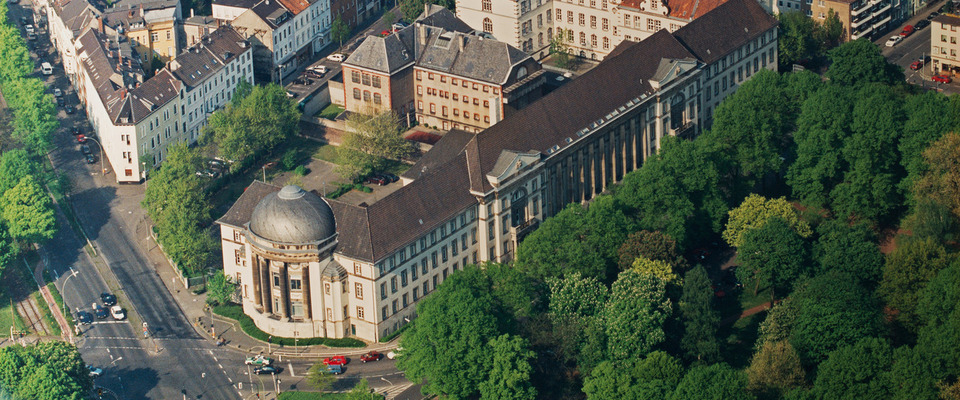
pixel 46 68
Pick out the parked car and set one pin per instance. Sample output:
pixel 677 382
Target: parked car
pixel 894 40
pixel 100 312
pixel 29 28
pixel 94 371
pixel 266 370
pixel 916 65
pixel 259 360
pixel 81 138
pixel 84 317
pixel 70 110
pixel 335 360
pixel 61 102
pixel 399 25
pixel 921 24
pixel 338 57
pixel 85 149
pixel 941 79
pixel 335 369
pixel 386 32
pixel 371 356
pixel 117 313
pixel 376 179
pixel 91 158
pixel 24 20
pixel 907 31
pixel 933 15
pixel 57 92
pixel 31 36
pixel 108 299
pixel 390 177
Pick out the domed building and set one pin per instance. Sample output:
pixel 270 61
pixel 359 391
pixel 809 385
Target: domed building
pixel 290 240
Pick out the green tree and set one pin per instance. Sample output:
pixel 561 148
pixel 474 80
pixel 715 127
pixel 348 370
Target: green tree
pixel 653 245
pixel 254 124
pixel 635 313
pixel 520 295
pixel 35 114
pixel 822 128
pixel 653 377
pixel 370 141
pixel 913 375
pixel 220 288
pixel 8 248
pixel 412 9
pixel 926 122
pixel 796 41
pixel 575 306
pixel 717 382
pixel 446 347
pixel 510 371
pixel 576 239
pixel 560 49
pixel 859 61
pixel 855 372
pixel 659 269
pixel 319 378
pixel 755 211
pixel 775 369
pixel 774 254
pixel 930 218
pixel 941 182
pixel 46 371
pixel 833 310
pixel 13 51
pixel 339 31
pixel 28 212
pixel 362 391
pixel 939 345
pixel 48 383
pixel 700 320
pixel 778 324
pixel 847 248
pixel 829 32
pixel 940 297
pixel 14 165
pixel 907 271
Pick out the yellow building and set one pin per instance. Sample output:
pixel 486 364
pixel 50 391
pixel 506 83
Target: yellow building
pixel 151 28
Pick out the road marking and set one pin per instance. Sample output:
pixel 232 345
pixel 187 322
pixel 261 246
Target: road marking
pixel 231 380
pixel 291 369
pixel 221 366
pixel 109 322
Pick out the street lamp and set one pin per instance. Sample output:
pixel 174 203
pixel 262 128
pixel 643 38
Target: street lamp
pixel 63 287
pixel 295 348
pixel 102 170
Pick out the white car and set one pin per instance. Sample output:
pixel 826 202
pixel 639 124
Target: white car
pixel 894 40
pixel 94 371
pixel 320 69
pixel 57 92
pixel 117 312
pixel 29 28
pixel 337 57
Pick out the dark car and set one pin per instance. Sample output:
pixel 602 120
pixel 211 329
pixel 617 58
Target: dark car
pixel 932 15
pixel 70 110
pixel 108 299
pixel 921 24
pixel 84 317
pixel 85 149
pixel 266 370
pixel 390 177
pixel 91 158
pixel 101 312
pixel 61 101
pixel 75 131
pixel 377 179
pixel 371 356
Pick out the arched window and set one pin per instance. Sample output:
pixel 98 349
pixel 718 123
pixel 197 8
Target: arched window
pixel 593 41
pixel 487 25
pixel 540 39
pixel 583 39
pixel 606 43
pixel 487 5
pixel 549 33
pixel 521 72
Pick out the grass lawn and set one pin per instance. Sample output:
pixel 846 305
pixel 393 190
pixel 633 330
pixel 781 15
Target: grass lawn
pixel 330 112
pixel 47 315
pixel 737 349
pixel 326 152
pixel 311 396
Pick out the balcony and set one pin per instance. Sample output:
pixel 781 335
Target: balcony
pixel 686 131
pixel 524 229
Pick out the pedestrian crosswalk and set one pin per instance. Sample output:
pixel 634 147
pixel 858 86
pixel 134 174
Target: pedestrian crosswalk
pixel 392 391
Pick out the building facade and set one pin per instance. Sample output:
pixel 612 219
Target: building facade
pixel 524 24
pixel 860 18
pixel 943 44
pixel 152 27
pixel 475 196
pixel 67 19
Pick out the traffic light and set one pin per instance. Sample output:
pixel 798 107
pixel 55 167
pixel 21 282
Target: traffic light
pixel 100 392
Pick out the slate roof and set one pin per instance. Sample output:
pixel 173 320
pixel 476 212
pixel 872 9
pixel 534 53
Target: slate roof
pixel 947 19
pixel 146 4
pixel 127 18
pixel 386 54
pixel 441 17
pixel 239 213
pixel 77 15
pixel 470 56
pixel 201 20
pixel 208 56
pixel 448 147
pixel 271 12
pixel 705 36
pixel 236 3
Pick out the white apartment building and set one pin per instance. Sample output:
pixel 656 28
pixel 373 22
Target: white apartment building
pixel 210 72
pixel 66 20
pixel 524 24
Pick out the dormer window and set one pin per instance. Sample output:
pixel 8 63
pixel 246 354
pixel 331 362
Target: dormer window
pixel 521 72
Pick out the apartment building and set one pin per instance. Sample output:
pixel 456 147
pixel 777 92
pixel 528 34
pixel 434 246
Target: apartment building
pixel 474 196
pixel 67 19
pixel 860 18
pixel 285 33
pixel 943 44
pixel 210 72
pixel 196 27
pixel 524 24
pixel 466 82
pixel 152 27
pixel 440 75
pixel 593 28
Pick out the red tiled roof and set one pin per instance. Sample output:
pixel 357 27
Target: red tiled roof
pixel 295 6
pixel 680 9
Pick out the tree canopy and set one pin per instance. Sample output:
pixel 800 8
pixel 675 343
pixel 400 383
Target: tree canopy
pixel 371 141
pixel 255 121
pixel 859 61
pixel 28 212
pixel 755 211
pixel 700 319
pixel 653 245
pixel 635 314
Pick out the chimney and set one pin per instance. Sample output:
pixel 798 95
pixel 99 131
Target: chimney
pixel 462 41
pixel 191 13
pixel 426 9
pixel 141 11
pixel 423 33
pixel 123 94
pixel 100 21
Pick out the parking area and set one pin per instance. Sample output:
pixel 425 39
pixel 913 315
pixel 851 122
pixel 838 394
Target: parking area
pixel 912 51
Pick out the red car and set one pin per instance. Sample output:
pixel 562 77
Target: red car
pixel 335 360
pixel 941 79
pixel 916 65
pixel 371 356
pixel 907 31
pixel 385 33
pixel 81 138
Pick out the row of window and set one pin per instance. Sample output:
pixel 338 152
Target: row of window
pixel 461 82
pixel 365 78
pixel 603 4
pixel 583 39
pixel 399 257
pixel 604 23
pixel 446 95
pixel 456 112
pixel 377 99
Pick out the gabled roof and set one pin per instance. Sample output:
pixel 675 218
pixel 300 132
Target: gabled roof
pixel 684 10
pixel 705 36
pixel 448 147
pixel 208 56
pixel 469 56
pixel 441 17
pixel 77 15
pixel 295 6
pixel 385 54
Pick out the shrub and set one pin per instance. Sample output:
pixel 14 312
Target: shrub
pixel 300 170
pixel 235 312
pixel 289 160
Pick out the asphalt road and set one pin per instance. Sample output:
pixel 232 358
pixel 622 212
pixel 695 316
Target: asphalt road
pixel 911 49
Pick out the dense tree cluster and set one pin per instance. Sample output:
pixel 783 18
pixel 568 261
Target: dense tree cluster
pixel 46 371
pixel 804 178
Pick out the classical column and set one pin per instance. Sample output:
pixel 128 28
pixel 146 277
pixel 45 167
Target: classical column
pixel 305 279
pixel 265 287
pixel 255 273
pixel 284 292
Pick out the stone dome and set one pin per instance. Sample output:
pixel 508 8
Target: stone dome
pixel 293 215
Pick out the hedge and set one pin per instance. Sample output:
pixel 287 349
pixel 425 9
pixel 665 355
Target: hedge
pixel 235 312
pixel 394 334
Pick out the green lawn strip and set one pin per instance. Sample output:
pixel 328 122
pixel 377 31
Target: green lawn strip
pixel 235 312
pixel 47 315
pixel 8 312
pixel 311 396
pixel 326 152
pixel 330 112
pixel 59 300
